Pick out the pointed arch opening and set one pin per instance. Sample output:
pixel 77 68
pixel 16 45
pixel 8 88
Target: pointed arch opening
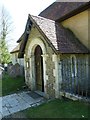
pixel 39 68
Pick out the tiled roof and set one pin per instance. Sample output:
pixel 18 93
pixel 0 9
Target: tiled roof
pixel 59 9
pixel 61 38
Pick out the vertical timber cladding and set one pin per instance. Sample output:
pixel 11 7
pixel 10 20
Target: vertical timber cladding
pixel 50 66
pixel 75 84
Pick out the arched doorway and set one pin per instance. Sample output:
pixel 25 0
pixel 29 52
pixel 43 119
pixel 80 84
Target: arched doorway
pixel 39 69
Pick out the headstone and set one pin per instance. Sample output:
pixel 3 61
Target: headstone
pixel 15 70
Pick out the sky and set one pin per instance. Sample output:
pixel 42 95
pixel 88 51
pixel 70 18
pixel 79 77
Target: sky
pixel 19 10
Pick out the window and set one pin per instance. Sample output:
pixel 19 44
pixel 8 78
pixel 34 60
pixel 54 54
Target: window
pixel 27 64
pixel 73 66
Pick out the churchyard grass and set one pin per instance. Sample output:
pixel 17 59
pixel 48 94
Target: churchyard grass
pixel 11 85
pixel 60 109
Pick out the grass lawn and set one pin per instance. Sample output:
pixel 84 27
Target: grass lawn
pixel 11 85
pixel 59 109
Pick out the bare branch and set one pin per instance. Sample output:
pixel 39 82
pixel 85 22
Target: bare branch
pixel 6 28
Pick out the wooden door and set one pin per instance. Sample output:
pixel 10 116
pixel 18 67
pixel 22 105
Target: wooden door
pixel 39 69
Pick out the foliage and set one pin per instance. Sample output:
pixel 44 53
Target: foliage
pixel 4 53
pixel 4 31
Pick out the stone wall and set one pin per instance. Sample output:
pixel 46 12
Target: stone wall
pixel 27 71
pixel 36 38
pixel 50 67
pixel 57 69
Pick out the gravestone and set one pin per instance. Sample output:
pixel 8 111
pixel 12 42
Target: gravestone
pixel 15 70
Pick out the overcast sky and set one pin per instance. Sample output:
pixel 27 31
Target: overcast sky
pixel 19 10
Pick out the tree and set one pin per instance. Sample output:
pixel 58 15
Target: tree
pixel 5 28
pixel 4 53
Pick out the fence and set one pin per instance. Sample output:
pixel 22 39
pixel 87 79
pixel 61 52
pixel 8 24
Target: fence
pixel 75 77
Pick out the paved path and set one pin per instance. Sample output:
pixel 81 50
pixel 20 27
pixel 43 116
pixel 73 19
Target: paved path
pixel 16 102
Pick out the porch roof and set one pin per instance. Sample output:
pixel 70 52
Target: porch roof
pixel 62 39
